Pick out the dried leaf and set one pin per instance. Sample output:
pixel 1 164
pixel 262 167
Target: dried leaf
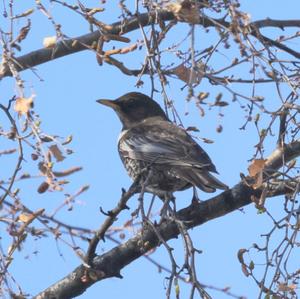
pixel 271 74
pixel 24 31
pixel 245 271
pixel 56 152
pixel 256 167
pixel 43 187
pixel 49 42
pixel 240 255
pixel 182 73
pixel 34 156
pixel 219 128
pixel 256 171
pixel 23 105
pixel 186 75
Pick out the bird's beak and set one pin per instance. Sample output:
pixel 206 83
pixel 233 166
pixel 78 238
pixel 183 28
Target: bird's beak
pixel 108 103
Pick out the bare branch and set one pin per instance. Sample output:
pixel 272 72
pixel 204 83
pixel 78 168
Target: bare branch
pixel 112 262
pixel 87 41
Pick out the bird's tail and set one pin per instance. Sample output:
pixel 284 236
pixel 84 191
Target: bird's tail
pixel 203 180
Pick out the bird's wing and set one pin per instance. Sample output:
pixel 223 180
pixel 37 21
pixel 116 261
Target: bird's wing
pixel 162 142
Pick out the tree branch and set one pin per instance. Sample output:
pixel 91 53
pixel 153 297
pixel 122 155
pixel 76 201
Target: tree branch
pixel 112 262
pixel 87 41
pixel 276 23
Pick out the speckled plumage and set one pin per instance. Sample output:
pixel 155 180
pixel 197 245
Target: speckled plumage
pixel 154 148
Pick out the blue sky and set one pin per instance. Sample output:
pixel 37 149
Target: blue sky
pixel 65 101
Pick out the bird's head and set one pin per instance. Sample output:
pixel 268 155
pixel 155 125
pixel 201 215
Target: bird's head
pixel 134 107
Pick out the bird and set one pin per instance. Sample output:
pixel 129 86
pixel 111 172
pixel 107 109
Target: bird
pixel 157 151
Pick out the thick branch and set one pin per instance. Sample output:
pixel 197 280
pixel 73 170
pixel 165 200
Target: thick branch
pixel 86 41
pixel 111 263
pixel 82 42
pixel 282 155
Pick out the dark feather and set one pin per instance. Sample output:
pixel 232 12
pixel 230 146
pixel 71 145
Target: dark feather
pixel 160 142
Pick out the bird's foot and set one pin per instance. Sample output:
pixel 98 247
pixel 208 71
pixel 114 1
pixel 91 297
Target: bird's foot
pixel 195 198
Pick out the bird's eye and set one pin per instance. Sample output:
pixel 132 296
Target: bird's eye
pixel 130 102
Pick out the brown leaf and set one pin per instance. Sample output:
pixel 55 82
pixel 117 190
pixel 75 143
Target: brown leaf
pixel 34 156
pixel 256 167
pixel 182 73
pixel 219 128
pixel 56 152
pixel 185 74
pixel 23 32
pixel 43 187
pixel 23 105
pixel 256 171
pixel 240 255
pixel 245 271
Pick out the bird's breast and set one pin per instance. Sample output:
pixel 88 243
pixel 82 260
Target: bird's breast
pixel 121 135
